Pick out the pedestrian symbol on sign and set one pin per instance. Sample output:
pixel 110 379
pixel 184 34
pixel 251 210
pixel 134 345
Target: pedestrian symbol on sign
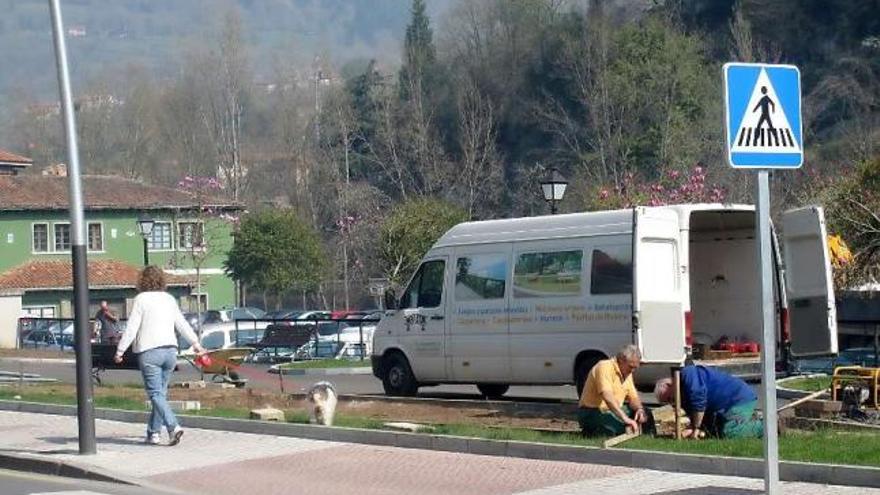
pixel 763 115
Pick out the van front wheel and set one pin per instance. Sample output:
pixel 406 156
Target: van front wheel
pixel 398 378
pixel 493 390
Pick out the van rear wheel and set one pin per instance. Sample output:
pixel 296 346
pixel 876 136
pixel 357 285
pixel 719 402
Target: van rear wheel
pixel 493 390
pixel 398 378
pixel 583 369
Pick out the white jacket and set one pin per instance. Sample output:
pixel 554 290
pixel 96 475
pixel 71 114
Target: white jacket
pixel 151 323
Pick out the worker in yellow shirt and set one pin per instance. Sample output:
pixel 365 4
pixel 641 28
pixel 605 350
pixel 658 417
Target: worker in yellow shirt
pixel 609 404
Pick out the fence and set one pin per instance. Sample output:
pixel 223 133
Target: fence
pixel 306 339
pixel 51 333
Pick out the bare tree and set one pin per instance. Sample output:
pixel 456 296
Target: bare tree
pixel 224 72
pixel 479 174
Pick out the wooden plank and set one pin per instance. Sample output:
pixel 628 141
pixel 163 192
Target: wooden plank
pixel 801 400
pixel 676 384
pixel 611 442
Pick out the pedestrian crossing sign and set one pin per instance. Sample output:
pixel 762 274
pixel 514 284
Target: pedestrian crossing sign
pixel 763 116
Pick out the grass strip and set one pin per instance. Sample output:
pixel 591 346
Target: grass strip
pixel 326 363
pixel 810 384
pixel 823 446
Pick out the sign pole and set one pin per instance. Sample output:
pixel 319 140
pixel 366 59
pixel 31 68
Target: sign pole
pixel 768 350
pixel 85 406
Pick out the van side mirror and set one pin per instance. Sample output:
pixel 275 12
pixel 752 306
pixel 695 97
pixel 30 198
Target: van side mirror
pixel 390 299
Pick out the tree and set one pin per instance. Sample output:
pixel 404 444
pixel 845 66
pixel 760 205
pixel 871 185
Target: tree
pixel 672 188
pixel 480 174
pixel 852 206
pixel 410 230
pixel 276 251
pixel 419 54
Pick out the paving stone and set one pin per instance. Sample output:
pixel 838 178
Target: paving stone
pixel 268 414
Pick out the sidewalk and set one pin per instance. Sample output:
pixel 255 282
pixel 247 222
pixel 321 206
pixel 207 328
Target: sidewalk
pixel 220 462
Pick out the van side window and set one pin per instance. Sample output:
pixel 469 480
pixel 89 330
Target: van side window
pixel 612 270
pixel 426 288
pixel 548 274
pixel 480 276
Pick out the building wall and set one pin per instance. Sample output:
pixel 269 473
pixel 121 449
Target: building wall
pixel 10 310
pixel 122 241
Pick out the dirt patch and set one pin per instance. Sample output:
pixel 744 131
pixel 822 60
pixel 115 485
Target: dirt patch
pixel 215 397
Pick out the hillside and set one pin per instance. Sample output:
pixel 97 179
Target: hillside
pixel 106 36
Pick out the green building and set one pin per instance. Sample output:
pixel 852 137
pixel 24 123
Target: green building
pixel 190 237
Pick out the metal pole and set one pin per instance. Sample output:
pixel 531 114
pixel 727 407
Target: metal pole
pixel 146 253
pixel 552 207
pixel 768 354
pixel 84 401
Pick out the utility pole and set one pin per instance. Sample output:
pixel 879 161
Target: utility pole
pixel 85 407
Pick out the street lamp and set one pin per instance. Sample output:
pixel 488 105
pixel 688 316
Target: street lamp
pixel 145 226
pixel 553 186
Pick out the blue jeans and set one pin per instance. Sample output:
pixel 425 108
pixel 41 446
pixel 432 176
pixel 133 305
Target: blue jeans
pixel 156 367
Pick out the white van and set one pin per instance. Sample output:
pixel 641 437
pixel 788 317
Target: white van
pixel 539 300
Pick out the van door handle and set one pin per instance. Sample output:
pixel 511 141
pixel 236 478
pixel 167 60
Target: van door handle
pixel 436 317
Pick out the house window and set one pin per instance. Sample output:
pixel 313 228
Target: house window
pixel 62 237
pixel 160 237
pixel 96 237
pixel 41 238
pixel 190 235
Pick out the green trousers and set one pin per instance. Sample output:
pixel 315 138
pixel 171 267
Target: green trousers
pixel 595 423
pixel 740 421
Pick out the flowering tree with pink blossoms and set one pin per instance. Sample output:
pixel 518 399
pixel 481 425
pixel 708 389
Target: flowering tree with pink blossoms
pixel 673 187
pixel 205 226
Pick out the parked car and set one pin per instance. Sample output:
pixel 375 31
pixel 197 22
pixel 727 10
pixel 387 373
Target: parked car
pixel 855 356
pixel 224 336
pixel 314 315
pixel 282 314
pixel 232 314
pixel 51 333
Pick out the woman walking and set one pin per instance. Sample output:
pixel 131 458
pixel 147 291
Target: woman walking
pixel 150 332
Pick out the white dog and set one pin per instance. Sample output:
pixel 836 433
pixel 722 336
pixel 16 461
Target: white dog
pixel 323 397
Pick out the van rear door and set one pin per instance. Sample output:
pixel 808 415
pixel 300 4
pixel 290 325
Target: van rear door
pixel 658 308
pixel 808 284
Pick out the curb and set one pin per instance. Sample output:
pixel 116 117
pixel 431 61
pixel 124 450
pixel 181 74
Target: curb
pixel 54 467
pixel 362 370
pixel 830 474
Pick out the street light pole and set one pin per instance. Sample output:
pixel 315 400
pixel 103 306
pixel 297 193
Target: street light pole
pixel 85 407
pixel 145 225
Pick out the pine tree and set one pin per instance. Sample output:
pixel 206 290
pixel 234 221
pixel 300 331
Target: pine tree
pixel 418 52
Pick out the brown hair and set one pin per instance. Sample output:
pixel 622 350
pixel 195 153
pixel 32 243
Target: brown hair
pixel 152 278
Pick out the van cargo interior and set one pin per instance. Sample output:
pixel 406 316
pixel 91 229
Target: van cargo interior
pixel 724 289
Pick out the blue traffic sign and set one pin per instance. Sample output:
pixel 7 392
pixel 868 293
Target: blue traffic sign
pixel 762 106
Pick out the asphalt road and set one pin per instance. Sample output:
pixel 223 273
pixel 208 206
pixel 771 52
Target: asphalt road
pixel 19 483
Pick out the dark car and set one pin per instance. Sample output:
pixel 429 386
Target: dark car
pixel 855 356
pixel 282 314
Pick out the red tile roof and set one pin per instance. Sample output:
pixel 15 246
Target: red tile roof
pixel 58 275
pixel 37 192
pixel 9 157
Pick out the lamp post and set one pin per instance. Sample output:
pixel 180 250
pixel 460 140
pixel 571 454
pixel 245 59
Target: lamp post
pixel 553 186
pixel 145 226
